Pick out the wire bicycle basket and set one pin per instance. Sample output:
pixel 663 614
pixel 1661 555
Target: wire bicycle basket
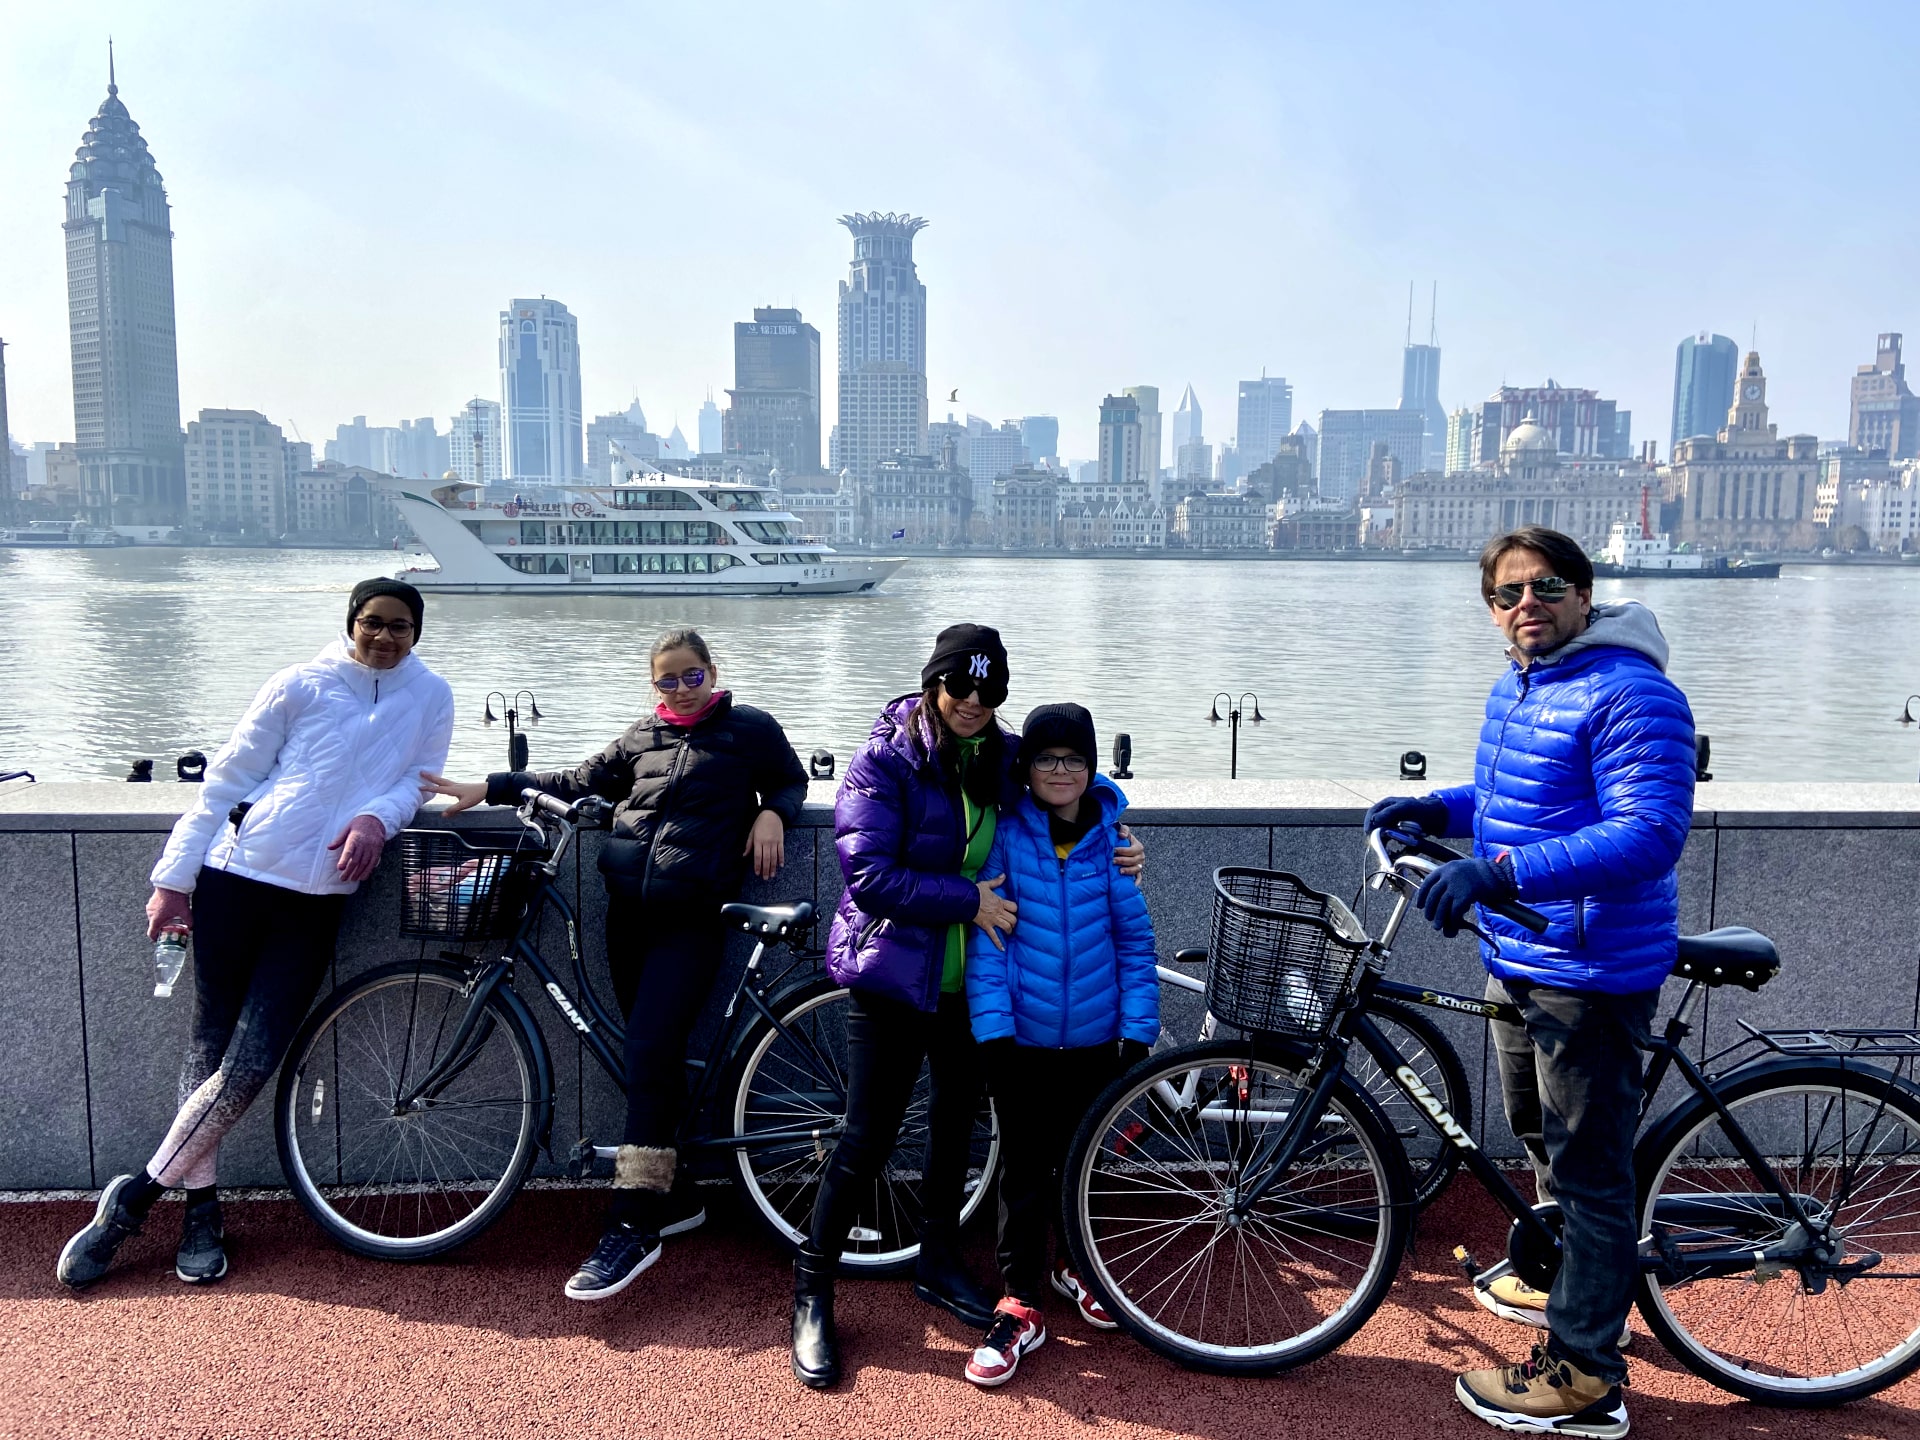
pixel 453 889
pixel 1282 953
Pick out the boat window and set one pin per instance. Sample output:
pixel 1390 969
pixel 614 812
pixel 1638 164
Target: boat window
pixel 605 532
pixel 675 564
pixel 650 563
pixel 628 532
pixel 793 559
pixel 697 563
pixel 533 532
pixel 535 563
pixel 726 562
pixel 766 557
pixel 637 498
pixel 649 532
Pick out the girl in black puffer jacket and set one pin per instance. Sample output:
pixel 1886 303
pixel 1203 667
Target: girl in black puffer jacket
pixel 702 788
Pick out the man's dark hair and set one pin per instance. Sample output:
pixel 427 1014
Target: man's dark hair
pixel 1562 552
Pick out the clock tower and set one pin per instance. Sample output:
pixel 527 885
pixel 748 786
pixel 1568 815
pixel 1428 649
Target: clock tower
pixel 1747 419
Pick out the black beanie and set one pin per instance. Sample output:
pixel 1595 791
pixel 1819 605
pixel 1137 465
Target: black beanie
pixel 973 650
pixel 1065 725
pixel 381 585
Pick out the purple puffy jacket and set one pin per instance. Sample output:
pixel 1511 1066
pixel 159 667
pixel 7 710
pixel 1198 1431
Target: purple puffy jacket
pixel 899 827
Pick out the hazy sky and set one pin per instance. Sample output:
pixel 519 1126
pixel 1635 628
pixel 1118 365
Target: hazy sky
pixel 1119 194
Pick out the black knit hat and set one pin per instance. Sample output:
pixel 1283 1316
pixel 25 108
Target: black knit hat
pixel 381 585
pixel 971 650
pixel 1065 725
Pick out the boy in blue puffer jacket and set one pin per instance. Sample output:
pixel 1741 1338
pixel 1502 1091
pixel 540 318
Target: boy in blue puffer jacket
pixel 1068 1004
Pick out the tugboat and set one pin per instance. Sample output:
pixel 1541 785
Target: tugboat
pixel 1635 552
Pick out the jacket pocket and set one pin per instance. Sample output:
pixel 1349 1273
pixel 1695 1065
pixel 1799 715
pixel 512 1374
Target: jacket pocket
pixel 1580 922
pixel 867 932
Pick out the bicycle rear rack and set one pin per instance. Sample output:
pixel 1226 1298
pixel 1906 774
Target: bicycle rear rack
pixel 1862 1043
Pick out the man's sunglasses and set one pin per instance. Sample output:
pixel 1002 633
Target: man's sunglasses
pixel 693 679
pixel 1548 590
pixel 959 685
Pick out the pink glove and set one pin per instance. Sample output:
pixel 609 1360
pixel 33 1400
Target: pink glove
pixel 360 845
pixel 167 907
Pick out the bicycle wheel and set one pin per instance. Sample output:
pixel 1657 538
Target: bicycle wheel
pixel 1152 1180
pixel 1431 1157
pixel 402 1182
pixel 793 1082
pixel 1781 1330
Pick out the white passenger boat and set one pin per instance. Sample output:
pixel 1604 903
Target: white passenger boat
pixel 652 534
pixel 61 535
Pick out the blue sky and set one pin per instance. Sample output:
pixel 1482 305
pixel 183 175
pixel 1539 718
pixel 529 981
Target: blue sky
pixel 1119 194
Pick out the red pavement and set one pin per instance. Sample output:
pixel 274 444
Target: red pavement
pixel 304 1340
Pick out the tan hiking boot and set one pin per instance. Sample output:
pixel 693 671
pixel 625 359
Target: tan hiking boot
pixel 1511 1298
pixel 1544 1395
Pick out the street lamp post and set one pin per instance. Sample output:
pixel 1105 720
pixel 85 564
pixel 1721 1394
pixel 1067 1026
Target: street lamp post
pixel 1232 717
pixel 1906 712
pixel 516 737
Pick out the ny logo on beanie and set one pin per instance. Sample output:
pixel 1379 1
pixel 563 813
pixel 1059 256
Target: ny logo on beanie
pixel 977 667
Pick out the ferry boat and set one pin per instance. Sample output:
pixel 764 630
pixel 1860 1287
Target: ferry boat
pixel 1634 553
pixel 648 534
pixel 62 535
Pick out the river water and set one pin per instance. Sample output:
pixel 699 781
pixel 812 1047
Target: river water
pixel 110 655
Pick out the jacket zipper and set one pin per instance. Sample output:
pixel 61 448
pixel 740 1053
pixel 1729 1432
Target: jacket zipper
pixel 1498 750
pixel 673 779
pixel 359 747
pixel 1580 921
pixel 1066 955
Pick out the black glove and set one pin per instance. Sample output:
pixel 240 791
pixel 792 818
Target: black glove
pixel 1132 1052
pixel 1455 888
pixel 1424 813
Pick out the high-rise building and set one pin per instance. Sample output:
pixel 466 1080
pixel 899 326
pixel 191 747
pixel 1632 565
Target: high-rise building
pixel 1885 413
pixel 236 473
pixel 6 435
pixel 1147 397
pixel 1265 419
pixel 1041 435
pixel 1420 390
pixel 626 428
pixel 126 374
pixel 883 346
pixel 473 443
pixel 713 429
pixel 1346 446
pixel 1704 367
pixel 1580 422
pixel 542 419
pixel 1460 440
pixel 993 455
pixel 1120 462
pixel 1192 456
pixel 774 406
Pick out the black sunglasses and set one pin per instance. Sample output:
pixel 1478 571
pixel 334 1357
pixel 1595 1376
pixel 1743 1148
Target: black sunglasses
pixel 1548 589
pixel 959 685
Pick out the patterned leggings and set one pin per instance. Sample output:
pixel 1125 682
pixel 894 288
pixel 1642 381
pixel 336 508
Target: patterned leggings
pixel 260 952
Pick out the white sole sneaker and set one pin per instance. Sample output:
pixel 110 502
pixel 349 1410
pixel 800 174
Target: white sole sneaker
pixel 682 1226
pixel 1064 1284
pixel 994 1382
pixel 1533 1319
pixel 109 1197
pixel 1598 1424
pixel 608 1291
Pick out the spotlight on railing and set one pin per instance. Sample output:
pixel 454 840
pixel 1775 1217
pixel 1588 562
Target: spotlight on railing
pixel 141 773
pixel 1122 756
pixel 1906 710
pixel 1702 757
pixel 191 767
pixel 1413 765
pixel 820 765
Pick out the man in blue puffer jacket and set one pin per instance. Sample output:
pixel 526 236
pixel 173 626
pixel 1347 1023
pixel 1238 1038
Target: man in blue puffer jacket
pixel 1581 803
pixel 1071 1000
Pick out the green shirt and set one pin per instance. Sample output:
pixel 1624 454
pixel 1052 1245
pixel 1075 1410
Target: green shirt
pixel 979 823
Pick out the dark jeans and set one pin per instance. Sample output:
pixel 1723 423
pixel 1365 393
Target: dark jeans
pixel 664 960
pixel 1571 1081
pixel 886 1041
pixel 1041 1096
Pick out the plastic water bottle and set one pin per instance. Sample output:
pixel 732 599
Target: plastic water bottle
pixel 169 958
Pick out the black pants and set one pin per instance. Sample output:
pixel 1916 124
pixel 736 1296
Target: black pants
pixel 1040 1098
pixel 260 952
pixel 886 1042
pixel 664 959
pixel 1570 1080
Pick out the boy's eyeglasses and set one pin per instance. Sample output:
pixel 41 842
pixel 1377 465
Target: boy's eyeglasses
pixel 1548 590
pixel 374 625
pixel 1072 764
pixel 959 685
pixel 693 679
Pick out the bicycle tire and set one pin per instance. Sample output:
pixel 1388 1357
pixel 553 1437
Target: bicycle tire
pixel 776 1085
pixel 1776 1341
pixel 354 1164
pixel 1135 1161
pixel 1432 1158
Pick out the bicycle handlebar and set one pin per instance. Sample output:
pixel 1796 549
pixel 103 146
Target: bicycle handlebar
pixel 1421 856
pixel 589 810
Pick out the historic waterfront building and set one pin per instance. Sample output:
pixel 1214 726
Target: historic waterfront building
pixel 126 373
pixel 1214 521
pixel 1885 414
pixel 773 408
pixel 1026 510
pixel 1746 488
pixel 917 500
pixel 1704 368
pixel 239 474
pixel 540 391
pixel 883 347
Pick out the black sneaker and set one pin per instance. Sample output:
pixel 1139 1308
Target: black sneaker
pixel 680 1211
pixel 623 1252
pixel 87 1255
pixel 202 1258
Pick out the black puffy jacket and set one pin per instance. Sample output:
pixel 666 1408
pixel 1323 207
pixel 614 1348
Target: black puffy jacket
pixel 684 799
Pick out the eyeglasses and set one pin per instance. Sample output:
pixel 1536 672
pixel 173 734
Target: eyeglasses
pixel 693 679
pixel 959 685
pixel 1072 764
pixel 374 625
pixel 1548 590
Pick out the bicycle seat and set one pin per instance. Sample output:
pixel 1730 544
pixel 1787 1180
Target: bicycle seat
pixel 777 920
pixel 1731 955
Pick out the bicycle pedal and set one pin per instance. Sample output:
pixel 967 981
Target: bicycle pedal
pixel 1468 1265
pixel 580 1159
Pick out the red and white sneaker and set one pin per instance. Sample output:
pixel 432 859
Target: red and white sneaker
pixel 1089 1306
pixel 1016 1329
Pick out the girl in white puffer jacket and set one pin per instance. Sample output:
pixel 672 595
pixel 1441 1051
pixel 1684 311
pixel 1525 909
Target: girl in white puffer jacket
pixel 321 772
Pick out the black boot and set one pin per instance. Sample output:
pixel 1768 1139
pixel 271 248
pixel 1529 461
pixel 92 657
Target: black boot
pixel 940 1278
pixel 816 1349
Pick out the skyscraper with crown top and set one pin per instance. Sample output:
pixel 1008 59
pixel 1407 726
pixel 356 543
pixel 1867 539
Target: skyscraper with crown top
pixel 883 346
pixel 126 371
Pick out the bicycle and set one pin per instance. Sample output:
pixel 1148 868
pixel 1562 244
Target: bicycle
pixel 416 1098
pixel 1779 1201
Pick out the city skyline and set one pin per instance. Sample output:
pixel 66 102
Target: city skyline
pixel 1320 300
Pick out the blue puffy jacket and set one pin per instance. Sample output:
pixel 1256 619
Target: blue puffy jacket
pixel 1078 969
pixel 1584 780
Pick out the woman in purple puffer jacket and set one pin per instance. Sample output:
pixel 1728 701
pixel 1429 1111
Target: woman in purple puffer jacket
pixel 913 823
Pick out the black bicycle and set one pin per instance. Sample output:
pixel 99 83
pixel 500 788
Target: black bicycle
pixel 416 1098
pixel 1259 1226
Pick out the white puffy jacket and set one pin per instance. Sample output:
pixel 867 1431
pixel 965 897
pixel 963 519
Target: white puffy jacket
pixel 323 742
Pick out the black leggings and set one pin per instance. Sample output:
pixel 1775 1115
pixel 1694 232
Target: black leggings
pixel 886 1041
pixel 664 960
pixel 260 952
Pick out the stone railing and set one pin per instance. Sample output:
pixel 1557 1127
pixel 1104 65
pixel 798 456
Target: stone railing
pixel 88 1057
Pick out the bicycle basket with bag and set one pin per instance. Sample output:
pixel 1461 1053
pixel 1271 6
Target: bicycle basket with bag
pixel 1282 953
pixel 456 890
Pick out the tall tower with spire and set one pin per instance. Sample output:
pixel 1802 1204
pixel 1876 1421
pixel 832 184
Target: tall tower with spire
pixel 126 371
pixel 883 346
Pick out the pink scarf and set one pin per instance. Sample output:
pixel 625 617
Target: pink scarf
pixel 671 718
